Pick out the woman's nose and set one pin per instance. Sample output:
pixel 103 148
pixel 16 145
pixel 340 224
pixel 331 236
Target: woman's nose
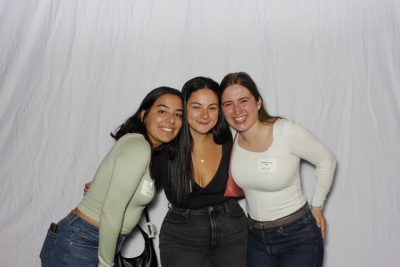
pixel 237 109
pixel 204 113
pixel 171 118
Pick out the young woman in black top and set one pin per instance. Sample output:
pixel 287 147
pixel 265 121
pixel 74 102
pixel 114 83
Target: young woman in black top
pixel 202 227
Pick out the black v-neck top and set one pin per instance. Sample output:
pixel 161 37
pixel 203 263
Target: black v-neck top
pixel 210 195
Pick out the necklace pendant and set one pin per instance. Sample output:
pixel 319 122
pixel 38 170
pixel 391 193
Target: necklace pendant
pixel 202 160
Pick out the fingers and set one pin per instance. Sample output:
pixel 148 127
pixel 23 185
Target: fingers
pixel 320 220
pixel 323 228
pixel 86 188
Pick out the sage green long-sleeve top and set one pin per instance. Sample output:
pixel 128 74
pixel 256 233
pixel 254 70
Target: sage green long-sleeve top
pixel 120 190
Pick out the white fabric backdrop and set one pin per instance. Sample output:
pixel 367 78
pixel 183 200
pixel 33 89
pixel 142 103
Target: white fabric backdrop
pixel 71 71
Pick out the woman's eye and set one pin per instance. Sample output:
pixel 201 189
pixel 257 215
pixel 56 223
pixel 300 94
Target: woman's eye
pixel 179 115
pixel 161 111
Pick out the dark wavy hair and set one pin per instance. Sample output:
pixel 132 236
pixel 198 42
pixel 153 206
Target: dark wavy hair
pixel 180 171
pixel 244 79
pixel 135 124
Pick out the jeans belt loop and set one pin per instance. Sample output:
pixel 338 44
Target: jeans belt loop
pixel 226 209
pixel 229 205
pixel 279 222
pixel 72 217
pixel 186 213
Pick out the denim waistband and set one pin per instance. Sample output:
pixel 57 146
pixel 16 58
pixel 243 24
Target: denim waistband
pixel 223 207
pixel 281 221
pixel 72 217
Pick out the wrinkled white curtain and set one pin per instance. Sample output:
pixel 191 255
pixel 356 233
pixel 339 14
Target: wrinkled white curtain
pixel 71 71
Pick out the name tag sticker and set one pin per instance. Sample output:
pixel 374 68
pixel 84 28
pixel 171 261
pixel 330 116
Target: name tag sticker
pixel 266 165
pixel 147 188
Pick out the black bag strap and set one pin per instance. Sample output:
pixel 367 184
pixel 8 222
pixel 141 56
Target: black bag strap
pixel 146 214
pixel 150 226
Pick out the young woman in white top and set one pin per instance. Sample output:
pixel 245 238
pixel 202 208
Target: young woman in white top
pixel 283 229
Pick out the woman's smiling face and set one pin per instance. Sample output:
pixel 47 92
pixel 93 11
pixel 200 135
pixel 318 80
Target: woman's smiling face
pixel 202 111
pixel 240 108
pixel 164 119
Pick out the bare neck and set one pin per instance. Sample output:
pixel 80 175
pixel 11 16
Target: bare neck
pixel 201 139
pixel 253 132
pixel 258 138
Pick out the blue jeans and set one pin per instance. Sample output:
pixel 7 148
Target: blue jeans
pixel 211 236
pixel 74 243
pixel 298 244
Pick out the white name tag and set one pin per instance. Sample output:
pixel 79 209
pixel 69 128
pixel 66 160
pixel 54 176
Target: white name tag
pixel 266 165
pixel 147 188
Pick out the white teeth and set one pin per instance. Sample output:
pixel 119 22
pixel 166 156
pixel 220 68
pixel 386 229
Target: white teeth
pixel 167 129
pixel 240 119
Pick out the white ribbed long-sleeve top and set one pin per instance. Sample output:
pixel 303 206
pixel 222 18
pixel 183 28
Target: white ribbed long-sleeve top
pixel 271 179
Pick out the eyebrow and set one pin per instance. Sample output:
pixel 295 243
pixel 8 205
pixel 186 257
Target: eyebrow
pixel 227 101
pixel 197 103
pixel 168 107
pixel 162 105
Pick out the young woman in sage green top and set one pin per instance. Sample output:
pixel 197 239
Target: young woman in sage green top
pixel 122 187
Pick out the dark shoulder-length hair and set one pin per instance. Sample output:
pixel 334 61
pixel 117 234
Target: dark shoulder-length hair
pixel 244 79
pixel 180 176
pixel 135 124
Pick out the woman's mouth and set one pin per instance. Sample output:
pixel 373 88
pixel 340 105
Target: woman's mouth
pixel 240 119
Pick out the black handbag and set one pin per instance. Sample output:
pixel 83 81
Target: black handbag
pixel 148 257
